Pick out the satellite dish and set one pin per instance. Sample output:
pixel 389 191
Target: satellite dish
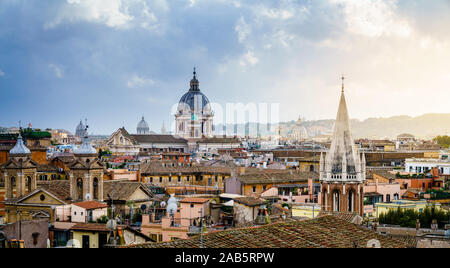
pixel 163 204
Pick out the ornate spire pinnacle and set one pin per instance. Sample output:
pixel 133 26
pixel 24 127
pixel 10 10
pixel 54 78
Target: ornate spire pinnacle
pixel 342 158
pixel 194 82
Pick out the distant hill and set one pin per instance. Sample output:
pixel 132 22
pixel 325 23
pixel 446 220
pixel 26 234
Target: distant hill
pixel 425 126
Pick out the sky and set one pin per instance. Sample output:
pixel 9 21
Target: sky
pixel 114 61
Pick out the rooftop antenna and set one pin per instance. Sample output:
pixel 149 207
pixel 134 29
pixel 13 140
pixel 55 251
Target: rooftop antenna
pixel 343 81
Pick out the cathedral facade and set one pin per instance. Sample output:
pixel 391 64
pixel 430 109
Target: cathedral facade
pixel 342 170
pixel 194 117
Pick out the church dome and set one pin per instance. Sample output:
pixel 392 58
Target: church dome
pixel 194 99
pixel 142 127
pixel 19 148
pixel 79 132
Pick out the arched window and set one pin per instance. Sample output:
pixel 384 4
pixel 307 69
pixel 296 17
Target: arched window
pixel 351 201
pixel 95 189
pixel 29 184
pixel 13 186
pixel 80 188
pixel 336 201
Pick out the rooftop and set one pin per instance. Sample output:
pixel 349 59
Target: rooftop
pixel 322 232
pixel 88 205
pixel 276 176
pixel 250 201
pixel 194 200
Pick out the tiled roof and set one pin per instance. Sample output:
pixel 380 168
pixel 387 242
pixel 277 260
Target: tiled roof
pixel 173 168
pixel 220 140
pixel 122 190
pixel 90 227
pixel 59 188
pixel 194 200
pixel 250 201
pixel 385 174
pixel 323 232
pixel 158 139
pixel 276 176
pixel 90 205
pixel 47 168
pixel 351 217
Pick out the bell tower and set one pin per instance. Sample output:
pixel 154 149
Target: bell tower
pixel 342 170
pixel 86 173
pixel 19 172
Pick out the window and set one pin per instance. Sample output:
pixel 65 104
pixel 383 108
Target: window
pixel 187 178
pixel 192 205
pixel 388 198
pixel 264 187
pixel 151 179
pixel 179 178
pixel 160 179
pixel 170 178
pixel 216 178
pixel 254 189
pixel 75 213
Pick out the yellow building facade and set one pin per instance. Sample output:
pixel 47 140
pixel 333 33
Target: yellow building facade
pixel 418 206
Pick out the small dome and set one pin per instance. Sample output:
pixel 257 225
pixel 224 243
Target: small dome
pixel 19 148
pixel 142 127
pixel 85 149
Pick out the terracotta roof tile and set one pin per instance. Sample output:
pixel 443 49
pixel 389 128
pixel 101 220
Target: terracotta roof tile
pixel 323 232
pixel 194 200
pixel 90 205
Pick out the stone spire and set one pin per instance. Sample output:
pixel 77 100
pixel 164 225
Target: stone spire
pixel 343 158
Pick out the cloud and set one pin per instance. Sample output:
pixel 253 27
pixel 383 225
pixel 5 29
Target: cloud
pixel 137 81
pixel 118 14
pixel 57 70
pixel 2 73
pixel 242 29
pixel 249 58
pixel 373 18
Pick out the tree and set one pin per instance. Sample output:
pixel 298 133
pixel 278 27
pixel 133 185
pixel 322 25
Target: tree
pixel 443 141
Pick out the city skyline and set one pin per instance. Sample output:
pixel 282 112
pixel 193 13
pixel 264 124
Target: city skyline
pixel 114 61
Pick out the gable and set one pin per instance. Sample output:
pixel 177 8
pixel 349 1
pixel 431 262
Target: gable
pixel 139 194
pixel 118 138
pixel 35 198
